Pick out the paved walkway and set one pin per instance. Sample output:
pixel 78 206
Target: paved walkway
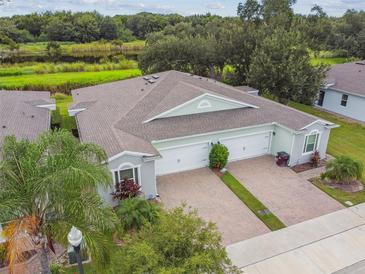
pixel 333 243
pixel 203 190
pixel 290 197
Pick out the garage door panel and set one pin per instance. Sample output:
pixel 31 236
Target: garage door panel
pixel 247 146
pixel 183 158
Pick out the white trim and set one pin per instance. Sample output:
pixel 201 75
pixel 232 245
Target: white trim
pixel 186 145
pixel 128 165
pixel 291 149
pixel 198 98
pixel 316 144
pixel 317 121
pixel 345 91
pixel 216 132
pixel 126 152
pixel 204 104
pixel 245 135
pixel 48 106
pixel 73 112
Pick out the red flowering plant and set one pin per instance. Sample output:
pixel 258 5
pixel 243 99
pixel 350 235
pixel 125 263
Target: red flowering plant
pixel 125 189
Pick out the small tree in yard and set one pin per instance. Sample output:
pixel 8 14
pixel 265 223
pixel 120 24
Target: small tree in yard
pixel 178 243
pixel 134 212
pixel 343 169
pixel 218 156
pixel 127 188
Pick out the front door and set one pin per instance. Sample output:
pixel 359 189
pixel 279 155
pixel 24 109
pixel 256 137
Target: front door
pixel 321 98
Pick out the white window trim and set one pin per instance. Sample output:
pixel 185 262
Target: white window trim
pixel 347 100
pixel 316 145
pixel 204 104
pixel 126 166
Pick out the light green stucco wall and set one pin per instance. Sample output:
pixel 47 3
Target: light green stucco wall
pixel 192 108
pixel 282 140
pixel 213 137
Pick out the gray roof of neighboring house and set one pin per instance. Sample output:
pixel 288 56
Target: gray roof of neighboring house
pixel 20 116
pixel 115 118
pixel 349 77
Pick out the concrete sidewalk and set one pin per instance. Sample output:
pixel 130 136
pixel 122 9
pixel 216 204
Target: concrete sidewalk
pixel 330 243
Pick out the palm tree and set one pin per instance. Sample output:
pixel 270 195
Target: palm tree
pixel 47 186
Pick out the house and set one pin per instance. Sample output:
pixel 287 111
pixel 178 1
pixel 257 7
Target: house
pixel 24 114
pixel 344 92
pixel 166 123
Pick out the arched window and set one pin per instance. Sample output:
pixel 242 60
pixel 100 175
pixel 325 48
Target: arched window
pixel 126 171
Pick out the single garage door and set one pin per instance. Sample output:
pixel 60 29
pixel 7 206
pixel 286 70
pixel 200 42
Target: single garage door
pixel 247 146
pixel 183 158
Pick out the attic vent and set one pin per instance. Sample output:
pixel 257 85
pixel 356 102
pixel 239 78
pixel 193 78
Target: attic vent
pixel 151 81
pixel 147 78
pixel 360 63
pixel 155 76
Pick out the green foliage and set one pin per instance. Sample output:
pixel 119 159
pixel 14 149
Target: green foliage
pixel 53 180
pixel 218 156
pixel 60 115
pixel 178 243
pixel 343 169
pixel 2 254
pixel 270 220
pixel 134 212
pixel 53 51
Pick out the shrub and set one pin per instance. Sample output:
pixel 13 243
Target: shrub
pixel 343 169
pixel 315 158
pixel 180 242
pixel 134 212
pixel 125 189
pixel 218 156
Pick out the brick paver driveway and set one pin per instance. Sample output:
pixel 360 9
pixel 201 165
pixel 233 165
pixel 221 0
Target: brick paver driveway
pixel 203 190
pixel 287 195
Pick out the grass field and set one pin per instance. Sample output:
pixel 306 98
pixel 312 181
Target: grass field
pixel 348 139
pixel 330 60
pixel 68 48
pixel 47 67
pixel 270 220
pixel 64 82
pixel 60 115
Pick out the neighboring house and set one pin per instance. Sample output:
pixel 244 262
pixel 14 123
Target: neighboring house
pixel 166 123
pixel 344 92
pixel 24 114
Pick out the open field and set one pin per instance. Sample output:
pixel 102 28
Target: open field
pixel 47 67
pixel 77 50
pixel 349 140
pixel 64 82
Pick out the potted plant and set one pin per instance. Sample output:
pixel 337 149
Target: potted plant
pixel 315 158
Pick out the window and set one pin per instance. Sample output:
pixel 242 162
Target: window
pixel 129 173
pixel 344 100
pixel 311 143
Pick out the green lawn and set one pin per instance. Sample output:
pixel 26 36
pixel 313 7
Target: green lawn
pixel 60 115
pixel 270 220
pixel 348 139
pixel 329 60
pixel 64 82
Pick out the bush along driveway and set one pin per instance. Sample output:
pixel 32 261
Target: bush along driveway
pixel 258 208
pixel 347 140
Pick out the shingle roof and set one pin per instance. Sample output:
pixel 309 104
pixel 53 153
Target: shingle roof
pixel 348 77
pixel 116 118
pixel 20 116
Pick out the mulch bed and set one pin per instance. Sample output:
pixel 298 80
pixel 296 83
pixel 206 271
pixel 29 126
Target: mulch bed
pixel 353 187
pixel 307 166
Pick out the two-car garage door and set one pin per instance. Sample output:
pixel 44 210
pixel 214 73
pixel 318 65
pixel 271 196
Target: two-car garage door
pixel 194 156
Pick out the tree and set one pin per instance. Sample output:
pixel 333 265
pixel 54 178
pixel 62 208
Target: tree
pixel 54 50
pixel 250 11
pixel 178 243
pixel 218 156
pixel 281 66
pixel 343 169
pixel 49 185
